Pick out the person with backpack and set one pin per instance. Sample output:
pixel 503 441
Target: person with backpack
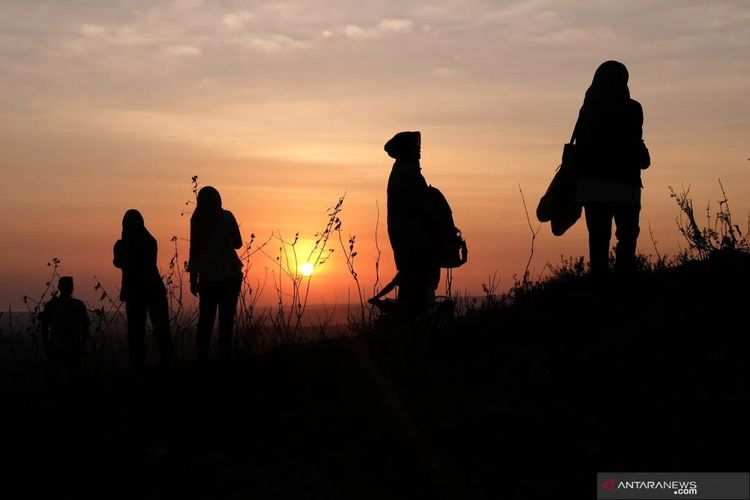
pixel 611 155
pixel 410 227
pixel 142 291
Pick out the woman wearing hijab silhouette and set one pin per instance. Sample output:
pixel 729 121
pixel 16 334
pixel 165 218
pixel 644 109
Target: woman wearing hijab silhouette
pixel 609 135
pixel 215 269
pixel 142 290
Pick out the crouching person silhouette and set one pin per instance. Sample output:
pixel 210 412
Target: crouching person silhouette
pixel 409 226
pixel 65 327
pixel 215 270
pixel 142 291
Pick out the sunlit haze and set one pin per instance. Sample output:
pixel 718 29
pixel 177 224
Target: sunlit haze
pixel 285 106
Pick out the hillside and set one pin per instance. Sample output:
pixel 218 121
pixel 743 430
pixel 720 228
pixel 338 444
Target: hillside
pixel 524 398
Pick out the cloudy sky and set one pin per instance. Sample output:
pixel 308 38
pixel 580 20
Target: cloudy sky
pixel 285 106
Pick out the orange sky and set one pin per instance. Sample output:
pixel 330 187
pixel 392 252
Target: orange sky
pixel 285 106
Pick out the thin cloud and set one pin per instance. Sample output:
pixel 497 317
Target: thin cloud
pixel 519 9
pixel 183 51
pixel 444 73
pixel 394 26
pixel 125 35
pixel 273 43
pixel 574 36
pixel 384 28
pixel 238 20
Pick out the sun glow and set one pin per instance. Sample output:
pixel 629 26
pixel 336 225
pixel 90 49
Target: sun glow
pixel 306 269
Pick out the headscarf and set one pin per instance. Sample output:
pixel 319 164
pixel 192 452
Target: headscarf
pixel 208 207
pixel 139 246
pixel 203 221
pixel 133 225
pixel 609 86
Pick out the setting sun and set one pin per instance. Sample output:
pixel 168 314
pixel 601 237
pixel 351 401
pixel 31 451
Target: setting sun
pixel 306 269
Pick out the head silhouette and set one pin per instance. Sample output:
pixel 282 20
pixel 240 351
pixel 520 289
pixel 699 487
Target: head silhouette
pixel 405 146
pixel 610 84
pixel 65 286
pixel 132 219
pixel 208 207
pixel 132 223
pixel 209 199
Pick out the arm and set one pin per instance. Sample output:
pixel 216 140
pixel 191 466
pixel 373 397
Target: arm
pixel 637 121
pixel 194 283
pixel 152 251
pixel 192 260
pixel 387 289
pixel 234 234
pixel 118 260
pixel 641 154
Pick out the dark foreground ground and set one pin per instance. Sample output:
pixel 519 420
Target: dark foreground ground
pixel 522 402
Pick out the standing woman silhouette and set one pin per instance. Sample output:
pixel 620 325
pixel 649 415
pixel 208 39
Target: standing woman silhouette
pixel 609 134
pixel 215 269
pixel 142 290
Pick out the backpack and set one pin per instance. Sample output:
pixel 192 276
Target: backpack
pixel 450 247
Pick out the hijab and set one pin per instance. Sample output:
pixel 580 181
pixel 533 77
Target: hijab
pixel 609 86
pixel 133 226
pixel 208 208
pixel 204 218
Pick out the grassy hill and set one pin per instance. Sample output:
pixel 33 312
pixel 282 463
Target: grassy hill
pixel 525 396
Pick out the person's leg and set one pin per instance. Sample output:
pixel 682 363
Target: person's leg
pixel 433 279
pixel 136 311
pixel 207 303
pixel 227 310
pixel 159 313
pixel 599 225
pixel 417 289
pixel 626 220
pixel 430 280
pixel 407 291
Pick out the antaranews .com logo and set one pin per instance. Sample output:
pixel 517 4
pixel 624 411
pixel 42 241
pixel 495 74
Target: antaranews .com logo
pixel 659 485
pixel 677 487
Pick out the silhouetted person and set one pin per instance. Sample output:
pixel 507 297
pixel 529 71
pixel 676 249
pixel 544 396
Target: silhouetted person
pixel 609 137
pixel 65 327
pixel 142 290
pixel 215 269
pixel 410 225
